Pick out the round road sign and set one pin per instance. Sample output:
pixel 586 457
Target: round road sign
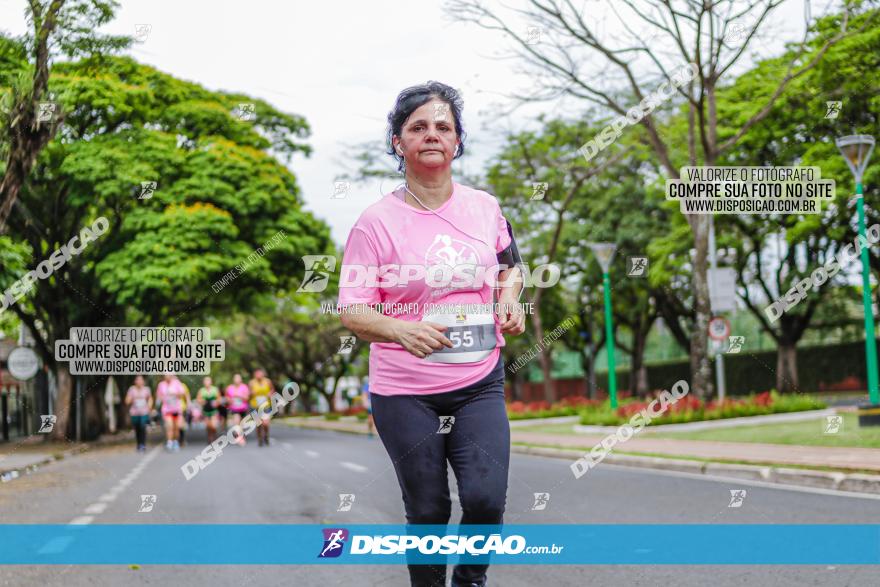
pixel 719 328
pixel 22 363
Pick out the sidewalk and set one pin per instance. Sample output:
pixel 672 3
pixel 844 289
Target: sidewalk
pixel 832 457
pixel 20 456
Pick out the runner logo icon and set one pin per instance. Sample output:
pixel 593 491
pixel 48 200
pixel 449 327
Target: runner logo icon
pixel 334 540
pixel 446 423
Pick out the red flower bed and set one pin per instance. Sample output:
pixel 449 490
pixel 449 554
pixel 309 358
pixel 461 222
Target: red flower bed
pixel 693 404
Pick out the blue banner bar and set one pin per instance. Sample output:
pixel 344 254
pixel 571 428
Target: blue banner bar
pixel 558 544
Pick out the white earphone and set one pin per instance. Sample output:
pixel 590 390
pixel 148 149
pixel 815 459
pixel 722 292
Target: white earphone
pixel 399 152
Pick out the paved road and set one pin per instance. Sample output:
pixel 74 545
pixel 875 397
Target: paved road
pixel 298 479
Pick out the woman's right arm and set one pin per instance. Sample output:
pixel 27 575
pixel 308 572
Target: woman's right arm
pixel 418 338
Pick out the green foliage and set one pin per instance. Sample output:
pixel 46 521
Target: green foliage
pixel 220 195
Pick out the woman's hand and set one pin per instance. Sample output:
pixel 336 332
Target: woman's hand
pixel 421 338
pixel 510 315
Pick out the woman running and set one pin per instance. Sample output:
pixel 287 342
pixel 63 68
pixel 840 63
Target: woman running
pixel 428 368
pixel 170 393
pixel 139 400
pixel 237 395
pixel 208 397
pixel 261 387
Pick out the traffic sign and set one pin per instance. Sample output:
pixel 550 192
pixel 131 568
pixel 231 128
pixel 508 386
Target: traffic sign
pixel 719 328
pixel 22 363
pixel 722 289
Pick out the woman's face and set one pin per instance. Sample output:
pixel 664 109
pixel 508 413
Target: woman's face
pixel 206 382
pixel 139 381
pixel 428 136
pixel 236 379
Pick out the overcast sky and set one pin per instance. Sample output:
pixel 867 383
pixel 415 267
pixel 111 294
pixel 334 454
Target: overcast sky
pixel 341 64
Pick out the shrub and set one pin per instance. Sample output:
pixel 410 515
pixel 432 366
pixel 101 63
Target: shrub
pixel 332 416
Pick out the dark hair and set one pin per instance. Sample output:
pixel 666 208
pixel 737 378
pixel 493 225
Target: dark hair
pixel 414 97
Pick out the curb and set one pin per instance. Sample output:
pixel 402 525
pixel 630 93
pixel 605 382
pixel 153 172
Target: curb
pixel 853 482
pixel 7 475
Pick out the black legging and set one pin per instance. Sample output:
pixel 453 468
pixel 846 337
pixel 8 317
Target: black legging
pixel 140 431
pixel 477 446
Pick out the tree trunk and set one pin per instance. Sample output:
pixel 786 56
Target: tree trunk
pixel 587 366
pixel 63 403
pixel 306 397
pixel 701 368
pixel 545 359
pixel 94 422
pixel 331 404
pixel 639 371
pixel 786 367
pixel 516 386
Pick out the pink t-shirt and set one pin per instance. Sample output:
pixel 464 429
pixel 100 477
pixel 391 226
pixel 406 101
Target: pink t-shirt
pixel 237 396
pixel 140 400
pixel 393 232
pixel 170 394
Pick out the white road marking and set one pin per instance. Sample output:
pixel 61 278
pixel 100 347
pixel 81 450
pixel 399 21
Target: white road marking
pixel 104 500
pixel 354 467
pixel 311 453
pixel 96 508
pixel 56 545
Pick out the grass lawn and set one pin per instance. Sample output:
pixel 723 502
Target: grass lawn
pixel 807 433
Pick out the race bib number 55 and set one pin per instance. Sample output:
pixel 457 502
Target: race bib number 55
pixel 472 337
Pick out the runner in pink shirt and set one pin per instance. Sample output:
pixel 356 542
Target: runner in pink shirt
pixel 169 393
pixel 436 380
pixel 237 396
pixel 139 401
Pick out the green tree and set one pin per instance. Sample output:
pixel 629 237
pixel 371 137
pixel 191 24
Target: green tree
pixel 657 38
pixel 775 252
pixel 221 198
pixel 59 28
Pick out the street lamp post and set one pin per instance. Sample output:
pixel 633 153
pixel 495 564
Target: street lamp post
pixel 856 149
pixel 604 253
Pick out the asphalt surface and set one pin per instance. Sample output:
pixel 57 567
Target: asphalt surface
pixel 299 477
